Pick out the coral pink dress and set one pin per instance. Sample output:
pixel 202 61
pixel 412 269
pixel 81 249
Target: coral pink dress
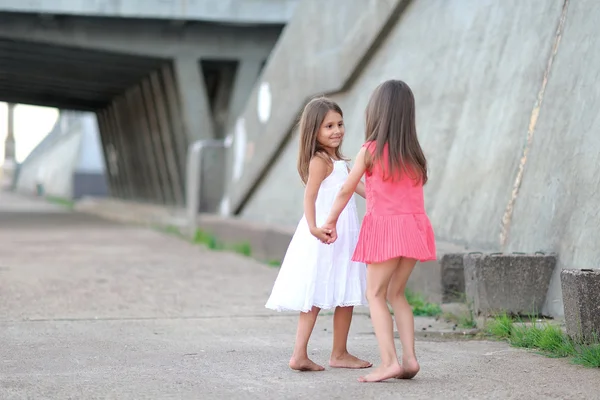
pixel 395 224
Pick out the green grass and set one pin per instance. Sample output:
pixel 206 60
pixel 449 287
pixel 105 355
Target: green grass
pixel 421 307
pixel 274 263
pixel 501 326
pixel 61 201
pixel 546 338
pixel 209 240
pixel 588 356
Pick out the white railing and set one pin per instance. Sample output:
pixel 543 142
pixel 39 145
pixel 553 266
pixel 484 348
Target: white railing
pixel 194 180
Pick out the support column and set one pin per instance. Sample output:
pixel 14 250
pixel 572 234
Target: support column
pixel 102 130
pixel 120 150
pixel 137 101
pixel 180 138
pixel 166 137
pixel 246 77
pixel 155 139
pixel 144 175
pixel 112 167
pixel 9 145
pixel 124 125
pixel 195 106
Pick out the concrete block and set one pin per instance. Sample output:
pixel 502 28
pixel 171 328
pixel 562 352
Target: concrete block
pixel 512 283
pixel 426 280
pixel 452 277
pixel 581 299
pixel 440 281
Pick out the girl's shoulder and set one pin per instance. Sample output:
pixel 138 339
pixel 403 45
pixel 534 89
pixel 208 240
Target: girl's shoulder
pixel 320 158
pixel 370 145
pixel 320 163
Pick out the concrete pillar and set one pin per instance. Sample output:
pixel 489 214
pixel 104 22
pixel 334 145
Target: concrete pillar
pixel 9 143
pixel 195 106
pixel 105 140
pixel 167 142
pixel 8 168
pixel 181 140
pixel 120 151
pixel 124 125
pixel 144 175
pixel 136 100
pixel 245 78
pixel 155 139
pixel 107 126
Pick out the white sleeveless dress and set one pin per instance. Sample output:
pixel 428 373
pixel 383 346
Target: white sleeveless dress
pixel 317 274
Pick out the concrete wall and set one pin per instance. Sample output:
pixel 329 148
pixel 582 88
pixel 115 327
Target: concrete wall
pixel 51 167
pixel 68 163
pixel 233 11
pixel 491 79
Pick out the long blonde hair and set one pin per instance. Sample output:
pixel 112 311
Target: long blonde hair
pixel 310 122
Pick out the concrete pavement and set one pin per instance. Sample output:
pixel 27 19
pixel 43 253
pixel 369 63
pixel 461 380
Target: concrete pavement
pixel 92 309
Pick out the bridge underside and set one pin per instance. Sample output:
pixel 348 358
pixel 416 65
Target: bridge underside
pixel 155 86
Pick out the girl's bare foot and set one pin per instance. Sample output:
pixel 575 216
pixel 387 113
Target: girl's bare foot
pixel 410 369
pixel 382 373
pixel 304 364
pixel 347 360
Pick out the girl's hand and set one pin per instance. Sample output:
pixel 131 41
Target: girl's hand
pixel 322 234
pixel 331 228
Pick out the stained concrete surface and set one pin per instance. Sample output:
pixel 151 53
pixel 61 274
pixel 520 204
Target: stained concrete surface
pixel 98 310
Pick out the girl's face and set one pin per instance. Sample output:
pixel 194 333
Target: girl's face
pixel 331 131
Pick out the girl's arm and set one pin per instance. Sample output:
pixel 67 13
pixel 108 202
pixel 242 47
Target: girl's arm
pixel 317 172
pixel 360 188
pixel 343 196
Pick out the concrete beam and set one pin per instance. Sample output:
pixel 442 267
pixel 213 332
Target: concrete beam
pixel 229 11
pixel 195 107
pixel 51 101
pixel 310 58
pixel 144 38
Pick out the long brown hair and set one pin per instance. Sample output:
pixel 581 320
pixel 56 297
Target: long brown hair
pixel 390 120
pixel 310 122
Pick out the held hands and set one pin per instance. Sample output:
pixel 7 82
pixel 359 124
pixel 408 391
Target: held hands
pixel 321 233
pixel 327 233
pixel 331 227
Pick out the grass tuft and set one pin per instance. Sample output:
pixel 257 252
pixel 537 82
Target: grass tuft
pixel 547 338
pixel 420 306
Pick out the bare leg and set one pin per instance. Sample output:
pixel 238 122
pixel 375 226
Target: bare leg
pixel 340 358
pixel 300 360
pixel 404 317
pixel 378 279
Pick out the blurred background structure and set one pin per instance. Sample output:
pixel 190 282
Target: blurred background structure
pixel 506 96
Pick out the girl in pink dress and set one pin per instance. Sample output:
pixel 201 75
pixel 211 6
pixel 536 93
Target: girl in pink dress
pixel 396 232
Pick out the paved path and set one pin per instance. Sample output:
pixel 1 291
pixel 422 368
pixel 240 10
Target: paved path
pixel 92 309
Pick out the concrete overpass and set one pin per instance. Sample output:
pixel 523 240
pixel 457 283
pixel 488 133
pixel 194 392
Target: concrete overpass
pixel 158 78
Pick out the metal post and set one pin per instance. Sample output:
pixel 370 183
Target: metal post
pixel 194 180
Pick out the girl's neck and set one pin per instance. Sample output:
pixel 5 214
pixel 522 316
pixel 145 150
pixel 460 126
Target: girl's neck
pixel 331 153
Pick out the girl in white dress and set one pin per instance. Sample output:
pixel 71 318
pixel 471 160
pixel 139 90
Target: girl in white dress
pixel 315 275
